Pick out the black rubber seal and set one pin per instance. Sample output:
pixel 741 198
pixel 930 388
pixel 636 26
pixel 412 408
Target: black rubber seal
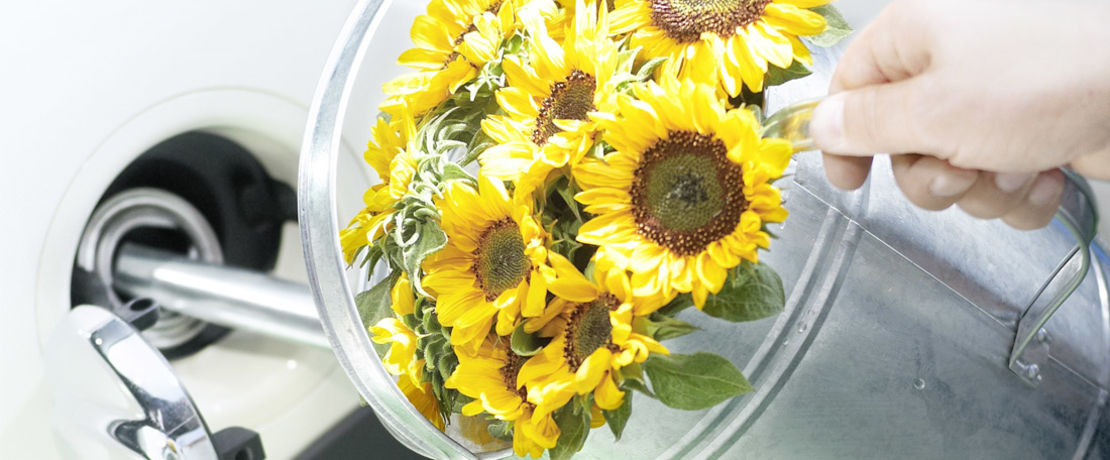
pixel 244 205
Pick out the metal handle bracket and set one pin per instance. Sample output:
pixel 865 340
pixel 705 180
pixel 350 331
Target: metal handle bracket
pixel 1031 343
pixel 1077 213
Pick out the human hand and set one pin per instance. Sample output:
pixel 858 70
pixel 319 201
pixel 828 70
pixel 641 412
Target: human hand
pixel 978 101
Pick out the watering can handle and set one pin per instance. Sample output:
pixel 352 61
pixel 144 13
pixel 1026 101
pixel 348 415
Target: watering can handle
pixel 1077 213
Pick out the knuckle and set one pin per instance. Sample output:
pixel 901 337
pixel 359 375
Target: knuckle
pixel 977 212
pixel 1028 221
pixel 926 116
pixel 868 123
pixel 960 157
pixel 932 203
pixel 979 207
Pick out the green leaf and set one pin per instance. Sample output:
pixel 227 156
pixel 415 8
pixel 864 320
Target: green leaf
pixel 648 69
pixel 429 322
pixel 626 58
pixel 693 382
pixel 431 239
pixel 638 385
pixel 437 385
pixel 676 306
pixel 574 425
pixel 453 171
pixel 410 321
pixel 618 418
pixel 598 150
pixel 837 30
pixel 514 44
pixel 435 344
pixel 662 327
pixel 501 429
pixel 777 76
pixel 757 111
pixel 751 292
pixel 368 256
pixel 374 303
pixel 523 343
pixel 566 192
pixel 632 378
pixel 462 400
pixel 588 272
pixel 446 364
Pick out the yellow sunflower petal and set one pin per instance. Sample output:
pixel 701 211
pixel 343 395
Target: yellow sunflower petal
pixel 592 370
pixel 607 396
pixel 794 20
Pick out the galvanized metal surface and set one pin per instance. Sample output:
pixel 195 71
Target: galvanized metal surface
pixel 895 340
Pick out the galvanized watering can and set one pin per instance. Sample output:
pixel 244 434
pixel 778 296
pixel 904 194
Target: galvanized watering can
pixel 906 334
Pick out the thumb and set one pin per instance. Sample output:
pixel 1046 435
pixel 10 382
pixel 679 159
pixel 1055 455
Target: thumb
pixel 1093 165
pixel 885 118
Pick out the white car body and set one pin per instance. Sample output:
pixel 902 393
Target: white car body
pixel 86 87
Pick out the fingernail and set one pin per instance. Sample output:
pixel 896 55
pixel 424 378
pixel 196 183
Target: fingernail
pixel 1011 182
pixel 827 125
pixel 949 185
pixel 1046 190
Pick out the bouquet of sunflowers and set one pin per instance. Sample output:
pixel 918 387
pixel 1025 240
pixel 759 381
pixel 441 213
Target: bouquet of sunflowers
pixel 558 180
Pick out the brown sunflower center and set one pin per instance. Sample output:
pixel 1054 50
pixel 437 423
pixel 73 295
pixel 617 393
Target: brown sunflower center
pixel 685 20
pixel 500 260
pixel 588 329
pixel 686 193
pixel 570 99
pixel 472 28
pixel 494 6
pixel 511 370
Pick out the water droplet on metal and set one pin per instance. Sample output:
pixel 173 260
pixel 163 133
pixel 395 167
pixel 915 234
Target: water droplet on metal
pixel 919 384
pixel 802 329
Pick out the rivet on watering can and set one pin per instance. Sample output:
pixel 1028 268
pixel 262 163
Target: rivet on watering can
pixel 1033 372
pixel 1042 336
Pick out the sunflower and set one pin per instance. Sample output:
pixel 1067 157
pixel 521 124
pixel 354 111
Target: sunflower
pixel 422 397
pixel 592 337
pixel 490 377
pixel 548 98
pixel 721 42
pixel 558 15
pixel 454 39
pixel 401 359
pixel 686 193
pixel 569 5
pixel 388 153
pixel 494 264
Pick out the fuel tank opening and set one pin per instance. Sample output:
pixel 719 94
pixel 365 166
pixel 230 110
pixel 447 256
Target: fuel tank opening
pixel 198 195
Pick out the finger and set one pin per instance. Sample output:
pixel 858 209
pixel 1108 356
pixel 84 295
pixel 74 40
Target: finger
pixel 846 173
pixel 1095 165
pixel 890 118
pixel 996 194
pixel 893 47
pixel 931 183
pixel 1041 203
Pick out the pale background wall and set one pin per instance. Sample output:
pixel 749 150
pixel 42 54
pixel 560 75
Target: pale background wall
pixel 859 12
